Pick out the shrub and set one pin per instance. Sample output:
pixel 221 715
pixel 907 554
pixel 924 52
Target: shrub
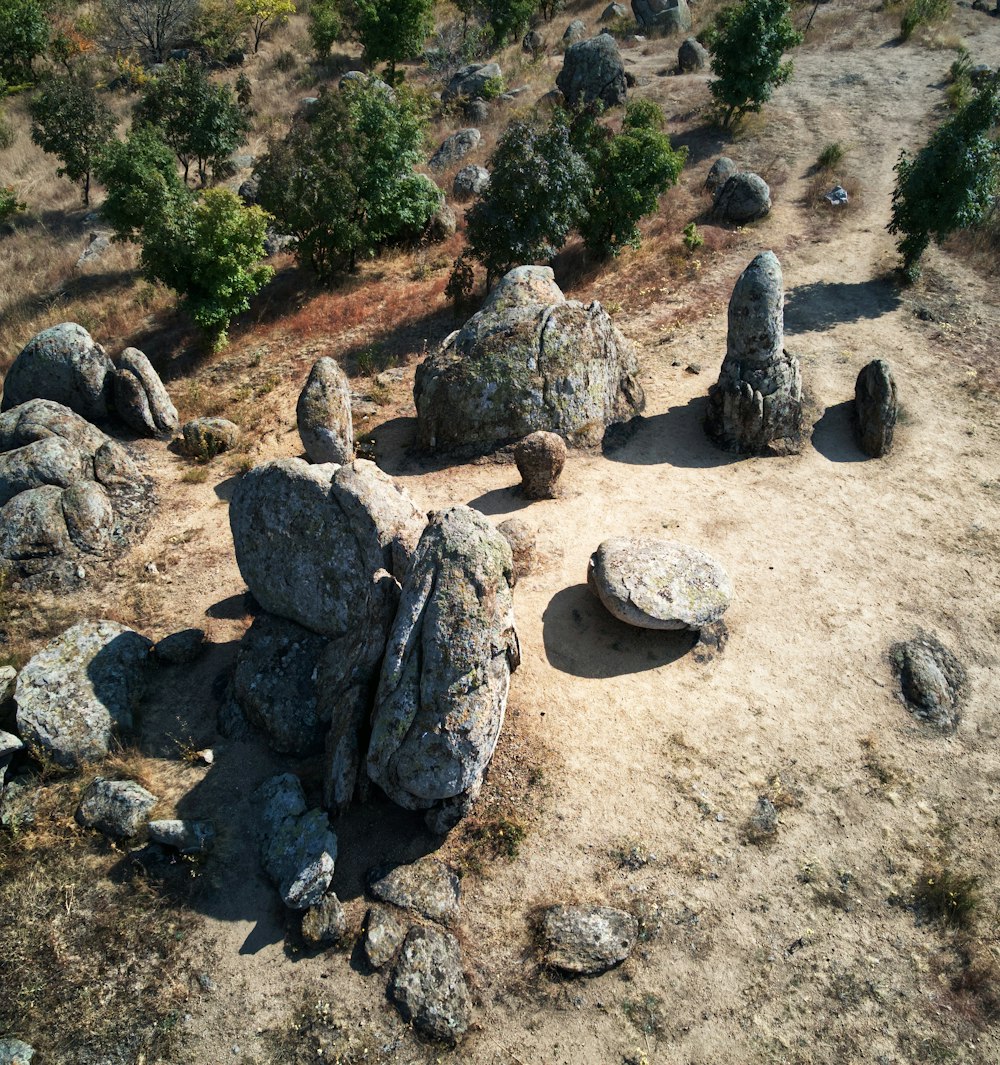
pixel 325 26
pixel 922 13
pixel 831 156
pixel 948 896
pixel 692 238
pixel 263 14
pixel 10 205
pixel 509 19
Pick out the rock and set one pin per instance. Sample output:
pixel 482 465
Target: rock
pixel 180 648
pixel 298 850
pixel 613 12
pixel 89 517
pixel 876 408
pixel 204 438
pixel 471 181
pixel 151 410
pixel 587 939
pixel 521 537
pixel 323 414
pixel 443 688
pixel 691 56
pixel 762 825
pixel 659 584
pixel 719 173
pixel 757 401
pixel 276 243
pixel 65 365
pixel 744 197
pixel 97 245
pixel 477 111
pixel 307 108
pixel 533 43
pixel 540 458
pixel 455 147
pixel 325 924
pixel 8 678
pixel 42 419
pixel 15 1052
pixel 80 689
pixel 429 987
pixel 188 837
pixel 932 680
pixel 837 196
pixel 384 933
pixel 353 77
pixel 50 461
pixel 115 470
pixel 33 528
pixel 249 189
pixel 116 808
pixel 662 16
pixel 442 226
pixel 593 72
pixel 427 887
pixel 18 805
pixel 470 81
pixel 529 360
pixel 575 31
pixel 10 745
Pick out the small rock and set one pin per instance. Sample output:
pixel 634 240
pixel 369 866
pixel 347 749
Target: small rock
pixel 470 181
pixel 429 986
pixel 691 56
pixel 533 43
pixel 115 808
pixel 454 148
pixel 575 31
pixel 204 438
pixel 762 825
pixel 188 837
pixel 427 887
pixel 932 680
pixel 521 537
pixel 206 756
pixel 719 173
pixel 837 196
pixel 588 939
pixel 540 459
pixel 384 933
pixel 325 923
pixel 693 367
pixel 14 1052
pixel 180 648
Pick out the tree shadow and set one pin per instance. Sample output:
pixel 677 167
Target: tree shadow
pixel 583 639
pixel 833 435
pixel 703 142
pixel 823 304
pixel 676 437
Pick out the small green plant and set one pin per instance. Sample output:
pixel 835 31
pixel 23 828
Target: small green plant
pixel 922 13
pixel 692 238
pixel 195 475
pixel 959 91
pixel 948 896
pixel 10 205
pixel 492 88
pixel 646 1013
pixel 831 156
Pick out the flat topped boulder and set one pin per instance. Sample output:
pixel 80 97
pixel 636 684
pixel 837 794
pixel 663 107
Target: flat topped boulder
pixel 587 939
pixel 529 360
pixel 427 887
pixel 659 584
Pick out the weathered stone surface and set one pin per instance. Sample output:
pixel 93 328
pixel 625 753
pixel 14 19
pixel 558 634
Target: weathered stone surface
pixel 188 837
pixel 32 526
pixel 443 688
pixel 454 148
pixel 384 934
pixel 588 939
pixel 89 517
pixel 427 887
pixel 469 81
pixel 429 987
pixel 521 537
pixel 180 648
pixel 471 181
pixel 744 197
pixel 15 1052
pixel 932 680
pixel 613 12
pixel 80 688
pixel 540 458
pixel 116 808
pixel 876 408
pixel 533 43
pixel 593 71
pixel 204 438
pixel 529 360
pixel 50 461
pixel 8 678
pixel 659 584
pixel 65 365
pixel 662 16
pixel 691 56
pixel 757 401
pixel 325 924
pixel 298 850
pixel 151 410
pixel 42 419
pixel 442 225
pixel 115 469
pixel 719 173
pixel 323 414
pixel 575 31
pixel 10 745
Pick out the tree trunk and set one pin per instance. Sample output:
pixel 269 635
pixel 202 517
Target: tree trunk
pixel 86 189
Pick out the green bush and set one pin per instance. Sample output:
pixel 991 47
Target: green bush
pixel 692 238
pixel 325 26
pixel 24 31
pixel 922 13
pixel 831 156
pixel 393 31
pixel 10 205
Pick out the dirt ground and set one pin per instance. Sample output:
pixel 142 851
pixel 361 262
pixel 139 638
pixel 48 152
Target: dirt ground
pixel 633 766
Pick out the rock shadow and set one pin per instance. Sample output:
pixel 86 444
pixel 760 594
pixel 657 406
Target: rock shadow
pixel 823 304
pixel 677 437
pixel 233 607
pixel 833 435
pixel 225 488
pixel 497 501
pixel 583 639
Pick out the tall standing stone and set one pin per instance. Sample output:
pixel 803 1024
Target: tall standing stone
pixel 876 408
pixel 323 414
pixel 757 401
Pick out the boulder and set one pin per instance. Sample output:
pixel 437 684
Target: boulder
pixel 533 43
pixel 757 402
pixel 470 181
pixel 116 808
pixel 180 648
pixel 454 148
pixel 659 584
pixel 188 837
pixel 470 81
pixel 575 31
pixel 876 408
pixel 719 173
pixel 613 12
pixel 15 1052
pixel 33 528
pixel 249 189
pixel 298 850
pixel 8 678
pixel 932 680
pixel 593 72
pixel 691 56
pixel 443 688
pixel 384 934
pixel 323 414
pixel 65 365
pixel 662 16
pixel 89 517
pixel 10 745
pixel 429 987
pixel 744 197
pixel 50 461
pixel 97 245
pixel 43 419
pixel 529 360
pixel 540 458
pixel 204 438
pixel 521 537
pixel 80 689
pixel 442 225
pixel 325 924
pixel 587 939
pixel 140 398
pixel 427 887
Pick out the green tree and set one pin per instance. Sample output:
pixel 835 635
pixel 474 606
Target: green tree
pixel 260 14
pixel 201 121
pixel 509 19
pixel 343 182
pixel 326 25
pixel 393 30
pixel 952 182
pixel 24 34
pixel 747 42
pixel 71 121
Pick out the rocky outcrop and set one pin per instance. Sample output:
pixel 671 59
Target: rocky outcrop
pixel 659 584
pixel 587 939
pixel 117 809
pixel 743 198
pixel 756 404
pixel 443 688
pixel 470 81
pixel 876 408
pixel 454 148
pixel 323 414
pixel 593 72
pixel 428 985
pixel 80 690
pixel 662 16
pixel 140 398
pixel 540 458
pixel 529 360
